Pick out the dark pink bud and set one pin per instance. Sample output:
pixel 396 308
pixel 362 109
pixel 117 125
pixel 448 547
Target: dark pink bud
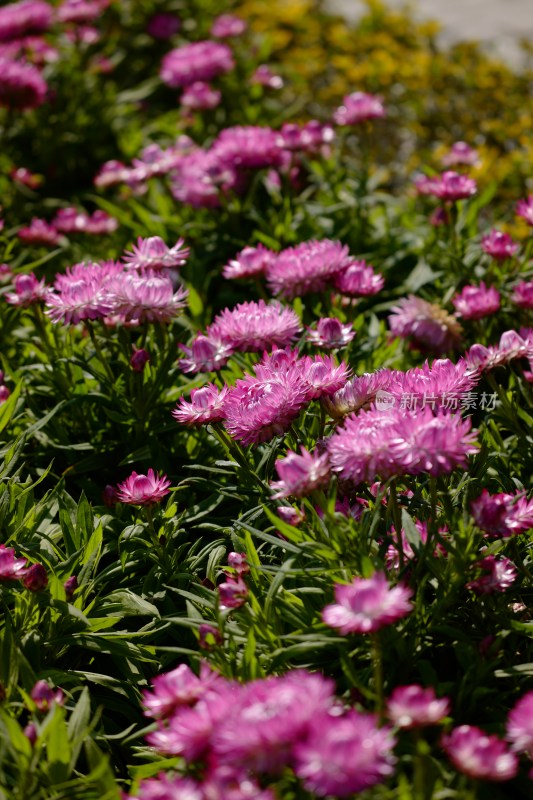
pixel 232 593
pixel 70 586
pixel 109 496
pixel 210 637
pixel 30 732
pixel 139 360
pixel 4 394
pixel 239 563
pixel 36 578
pixel 43 695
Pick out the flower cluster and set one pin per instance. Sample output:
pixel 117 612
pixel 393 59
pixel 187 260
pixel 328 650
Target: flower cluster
pixel 260 728
pixel 199 61
pixel 366 605
pixel 503 514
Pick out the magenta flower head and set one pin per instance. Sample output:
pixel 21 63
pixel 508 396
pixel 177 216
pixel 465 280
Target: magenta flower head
pixel 4 393
pixel 256 326
pixel 358 279
pixel 330 333
pixel 180 687
pixel 476 302
pixel 524 209
pixel 199 61
pixel 11 568
pixel 343 755
pixel 139 360
pixel 292 516
pixel 26 17
pixel 359 392
pixel 308 267
pixel 520 725
pixel 35 579
pixel 415 707
pixel 233 592
pixel 449 187
pixel 206 354
pixel 163 26
pixel 502 514
pixel 249 263
pixel 359 107
pixel 248 147
pixel 28 290
pixel 478 755
pixel 39 232
pixel 227 25
pixel 206 405
pixel 148 296
pixel 44 696
pixel 21 85
pixel 498 575
pixel 238 562
pixel 300 474
pixel 367 604
pixel 200 96
pixel 429 327
pixel 264 76
pixel 70 586
pixel 143 490
pixel 523 294
pixel 499 245
pixel 460 153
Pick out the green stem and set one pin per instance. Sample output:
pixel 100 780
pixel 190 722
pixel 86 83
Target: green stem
pixel 397 520
pixel 99 354
pixel 377 664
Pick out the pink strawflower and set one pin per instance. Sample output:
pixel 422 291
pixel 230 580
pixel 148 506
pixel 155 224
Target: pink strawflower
pixel 27 16
pixel 428 326
pixel 148 296
pixel 311 137
pixel 503 514
pixel 154 254
pixel 198 61
pixel 520 725
pixel 200 96
pixel 258 409
pixel 200 179
pixel 166 787
pixel 415 707
pixel 39 231
pixel 28 290
pixel 308 267
pixel 292 516
pixel 227 25
pixel 265 77
pixel 511 346
pixel 460 153
pixel 440 385
pixel 250 262
pixel 330 333
pixel 71 220
pixel 247 147
pixel 83 292
pixel 523 294
pixel 80 12
pixel 499 245
pixel 499 574
pixel 143 490
pixel 476 302
pixel 44 696
pixel 238 562
pixel 524 209
pixel 256 326
pixel 359 392
pixel 206 354
pixel 344 755
pixel 170 691
pixel 321 376
pixel 299 475
pixel 11 568
pixel 376 444
pixel 359 107
pixel 21 85
pixel 358 279
pixel 233 592
pixel 139 359
pixel 26 178
pixel 111 173
pixel 36 578
pixel 268 719
pixel 163 26
pixel 478 755
pixel 449 187
pixel 207 405
pixel 367 604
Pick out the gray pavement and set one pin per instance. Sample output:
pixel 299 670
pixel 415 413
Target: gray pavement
pixel 497 23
